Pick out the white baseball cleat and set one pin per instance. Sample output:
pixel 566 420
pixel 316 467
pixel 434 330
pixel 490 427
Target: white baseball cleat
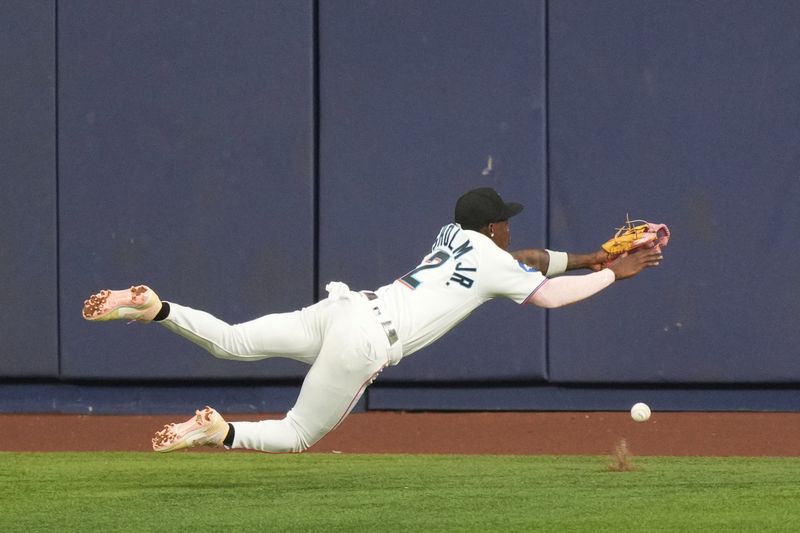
pixel 139 303
pixel 205 428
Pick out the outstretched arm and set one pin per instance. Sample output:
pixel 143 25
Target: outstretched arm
pixel 569 289
pixel 540 258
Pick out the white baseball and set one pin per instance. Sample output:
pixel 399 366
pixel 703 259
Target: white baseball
pixel 640 412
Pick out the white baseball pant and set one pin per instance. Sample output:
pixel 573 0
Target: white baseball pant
pixel 341 338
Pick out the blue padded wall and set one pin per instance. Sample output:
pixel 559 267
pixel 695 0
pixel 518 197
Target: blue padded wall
pixel 173 143
pixel 186 163
pixel 28 249
pixel 685 113
pixel 415 97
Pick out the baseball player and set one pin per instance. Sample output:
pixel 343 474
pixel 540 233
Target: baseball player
pixel 350 337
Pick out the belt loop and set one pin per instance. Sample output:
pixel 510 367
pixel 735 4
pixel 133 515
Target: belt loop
pixel 383 319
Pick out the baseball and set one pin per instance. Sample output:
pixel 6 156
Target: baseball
pixel 640 412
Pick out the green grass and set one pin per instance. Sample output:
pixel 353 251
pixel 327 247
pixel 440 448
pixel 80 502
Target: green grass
pixel 314 492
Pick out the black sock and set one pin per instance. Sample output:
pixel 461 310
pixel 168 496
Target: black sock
pixel 229 437
pixel 163 313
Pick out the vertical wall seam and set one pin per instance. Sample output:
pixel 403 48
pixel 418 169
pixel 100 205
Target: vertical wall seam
pixel 57 187
pixel 315 83
pixel 547 210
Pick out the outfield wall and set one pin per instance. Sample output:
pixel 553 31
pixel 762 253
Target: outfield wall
pixel 236 156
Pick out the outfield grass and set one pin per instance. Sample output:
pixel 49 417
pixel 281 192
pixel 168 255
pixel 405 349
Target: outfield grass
pixel 314 492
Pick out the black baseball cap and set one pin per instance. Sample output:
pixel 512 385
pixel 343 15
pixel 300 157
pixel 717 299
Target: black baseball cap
pixel 479 207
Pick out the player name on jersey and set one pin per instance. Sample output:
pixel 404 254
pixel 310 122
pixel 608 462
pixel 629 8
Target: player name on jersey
pixel 447 236
pixel 445 247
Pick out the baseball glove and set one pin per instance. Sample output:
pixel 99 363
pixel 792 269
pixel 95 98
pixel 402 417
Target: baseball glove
pixel 634 235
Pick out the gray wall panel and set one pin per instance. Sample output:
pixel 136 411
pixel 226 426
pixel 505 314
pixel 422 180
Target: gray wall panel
pixel 28 249
pixel 186 164
pixel 415 98
pixel 686 113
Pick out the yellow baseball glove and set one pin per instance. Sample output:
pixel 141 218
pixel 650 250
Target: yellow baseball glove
pixel 636 234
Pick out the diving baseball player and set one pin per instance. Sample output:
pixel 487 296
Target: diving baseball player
pixel 351 336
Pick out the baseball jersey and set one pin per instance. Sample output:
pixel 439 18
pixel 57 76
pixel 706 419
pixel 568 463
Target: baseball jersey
pixel 464 270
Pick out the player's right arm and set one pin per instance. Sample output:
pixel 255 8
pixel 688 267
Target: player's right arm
pixel 565 290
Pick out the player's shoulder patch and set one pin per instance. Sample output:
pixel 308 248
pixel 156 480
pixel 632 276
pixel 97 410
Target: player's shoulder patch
pixel 525 267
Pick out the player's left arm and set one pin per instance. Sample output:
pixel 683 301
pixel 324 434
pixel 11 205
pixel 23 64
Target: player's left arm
pixel 553 263
pixel 570 289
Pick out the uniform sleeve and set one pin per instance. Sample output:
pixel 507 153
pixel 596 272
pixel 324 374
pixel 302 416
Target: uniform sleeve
pixel 505 277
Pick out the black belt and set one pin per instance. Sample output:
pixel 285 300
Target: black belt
pixel 388 328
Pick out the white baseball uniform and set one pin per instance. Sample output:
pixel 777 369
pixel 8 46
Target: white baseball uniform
pixel 350 337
